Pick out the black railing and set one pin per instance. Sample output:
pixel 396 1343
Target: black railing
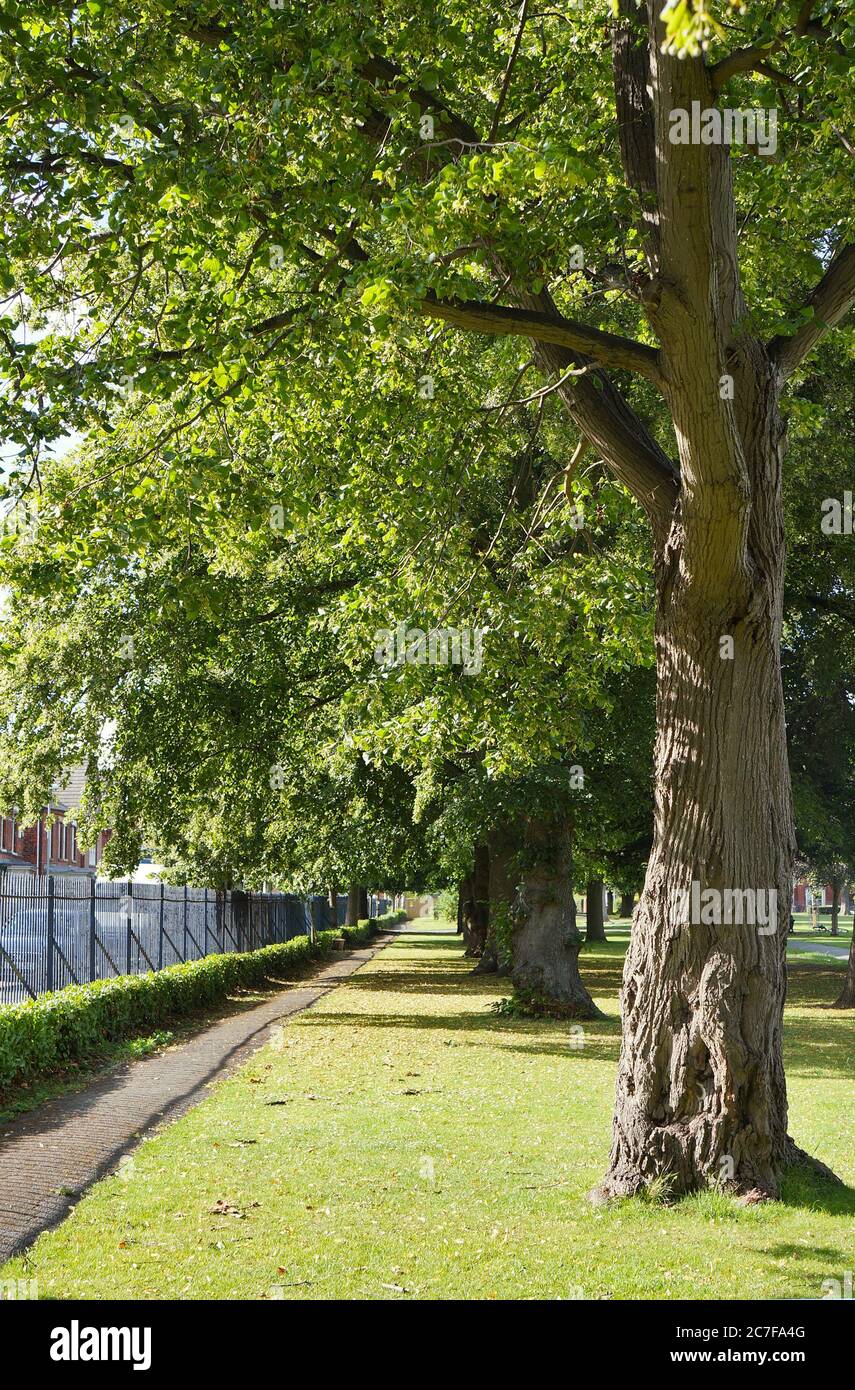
pixel 58 930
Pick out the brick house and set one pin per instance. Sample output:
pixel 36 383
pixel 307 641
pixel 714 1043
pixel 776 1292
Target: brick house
pixel 51 848
pixel 822 897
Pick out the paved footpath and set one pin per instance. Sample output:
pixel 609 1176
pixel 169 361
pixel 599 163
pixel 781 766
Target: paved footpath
pixel 822 948
pixel 50 1156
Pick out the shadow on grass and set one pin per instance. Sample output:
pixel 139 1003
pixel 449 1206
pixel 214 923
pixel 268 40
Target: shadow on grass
pixel 549 1037
pixel 802 1187
pixel 427 982
pixel 461 981
pixel 812 986
pixel 814 1044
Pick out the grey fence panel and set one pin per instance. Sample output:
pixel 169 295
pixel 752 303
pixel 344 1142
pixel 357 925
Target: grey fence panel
pixel 61 930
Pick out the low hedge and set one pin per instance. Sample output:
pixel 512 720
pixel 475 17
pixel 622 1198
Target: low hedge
pixel 367 927
pixel 74 1023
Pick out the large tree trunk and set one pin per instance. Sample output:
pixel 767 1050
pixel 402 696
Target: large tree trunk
pixel 546 940
pixel 627 901
pixel 700 1094
pixel 835 906
pixel 595 927
pixel 700 1089
pixel 354 905
pixel 503 845
pixel 846 997
pixel 332 906
pixel 476 906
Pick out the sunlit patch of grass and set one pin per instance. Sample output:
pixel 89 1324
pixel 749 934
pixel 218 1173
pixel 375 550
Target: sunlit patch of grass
pixel 399 1140
pixel 712 1204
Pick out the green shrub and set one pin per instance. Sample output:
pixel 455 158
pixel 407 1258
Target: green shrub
pixel 368 927
pixel 74 1023
pixel 361 933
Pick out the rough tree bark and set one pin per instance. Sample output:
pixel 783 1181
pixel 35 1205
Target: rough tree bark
pixel 546 940
pixel 846 997
pixel 594 925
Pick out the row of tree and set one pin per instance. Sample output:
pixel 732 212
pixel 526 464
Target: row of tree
pixel 416 318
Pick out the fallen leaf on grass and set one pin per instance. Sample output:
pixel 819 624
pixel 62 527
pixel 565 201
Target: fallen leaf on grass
pixel 223 1208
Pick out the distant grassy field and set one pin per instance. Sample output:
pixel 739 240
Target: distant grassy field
pixel 400 1140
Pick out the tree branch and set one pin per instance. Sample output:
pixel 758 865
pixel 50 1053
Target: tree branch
pixel 592 401
pixel 830 301
pixel 509 72
pixel 57 163
pixel 634 110
pixel 608 349
pixel 753 58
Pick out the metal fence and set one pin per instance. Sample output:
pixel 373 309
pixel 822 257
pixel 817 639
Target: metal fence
pixel 57 931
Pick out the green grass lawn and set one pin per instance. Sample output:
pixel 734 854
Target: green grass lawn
pixel 619 927
pixel 399 1140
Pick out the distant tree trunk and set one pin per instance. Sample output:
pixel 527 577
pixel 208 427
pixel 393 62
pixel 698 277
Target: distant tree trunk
pixel 465 902
pixel 332 906
pixel 610 902
pixel 503 844
pixel 546 940
pixel 353 903
pixel 846 998
pixel 363 904
pixel 835 905
pixel 626 904
pixel 476 907
pixel 241 920
pixel 595 929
